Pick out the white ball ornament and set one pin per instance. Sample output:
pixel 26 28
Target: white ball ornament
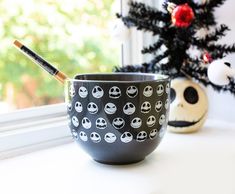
pixel 219 72
pixel 121 32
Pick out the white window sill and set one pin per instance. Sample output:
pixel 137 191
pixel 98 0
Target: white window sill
pixel 32 129
pixel 202 163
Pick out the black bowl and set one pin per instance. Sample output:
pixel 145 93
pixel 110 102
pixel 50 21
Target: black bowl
pixel 118 118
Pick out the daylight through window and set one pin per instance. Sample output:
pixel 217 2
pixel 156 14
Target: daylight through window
pixel 75 36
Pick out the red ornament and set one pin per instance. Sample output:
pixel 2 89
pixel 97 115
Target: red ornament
pixel 207 57
pixel 182 16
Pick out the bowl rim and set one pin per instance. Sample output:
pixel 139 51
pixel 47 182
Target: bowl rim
pixel 157 78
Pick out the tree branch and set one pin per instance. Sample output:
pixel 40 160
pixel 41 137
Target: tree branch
pixel 142 11
pixel 153 48
pixel 216 35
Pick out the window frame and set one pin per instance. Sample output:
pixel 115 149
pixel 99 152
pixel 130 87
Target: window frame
pixel 35 128
pixel 31 129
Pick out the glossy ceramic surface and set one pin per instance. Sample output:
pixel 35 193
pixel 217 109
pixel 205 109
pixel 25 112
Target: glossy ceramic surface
pixel 118 118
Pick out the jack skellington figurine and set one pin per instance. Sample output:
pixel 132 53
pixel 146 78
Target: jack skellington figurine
pixel 189 106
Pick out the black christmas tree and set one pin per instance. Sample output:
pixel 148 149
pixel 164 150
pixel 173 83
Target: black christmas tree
pixel 177 28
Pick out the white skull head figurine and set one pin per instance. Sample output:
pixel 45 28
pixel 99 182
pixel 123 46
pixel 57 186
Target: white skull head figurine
pixel 189 106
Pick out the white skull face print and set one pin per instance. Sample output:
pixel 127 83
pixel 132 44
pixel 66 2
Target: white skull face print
pixel 74 133
pixel 162 119
pixel 97 92
pixel 86 123
pixel 132 91
pixel 95 137
pixel 145 107
pixel 148 91
pixel 136 123
pixel 151 121
pixel 167 104
pixel 114 92
pixel 168 88
pixel 160 90
pixel 110 108
pixel 72 91
pixel 101 123
pixel 126 137
pixel 141 136
pixel 75 121
pixel 129 108
pixel 83 136
pixel 158 106
pixel 153 134
pixel 92 108
pixel 78 106
pixel 69 107
pixel 118 123
pixel 110 137
pixel 82 92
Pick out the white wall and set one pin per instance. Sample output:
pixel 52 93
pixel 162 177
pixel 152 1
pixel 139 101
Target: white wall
pixel 222 106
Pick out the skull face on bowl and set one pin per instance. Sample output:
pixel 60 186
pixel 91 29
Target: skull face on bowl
pixel 82 92
pixel 101 123
pixel 189 106
pixel 114 92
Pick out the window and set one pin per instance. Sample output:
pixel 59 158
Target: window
pixel 75 36
pixel 72 35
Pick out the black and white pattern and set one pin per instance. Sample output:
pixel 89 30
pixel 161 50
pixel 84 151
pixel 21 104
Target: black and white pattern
pixel 110 137
pixel 132 91
pixel 86 123
pixel 158 106
pixel 141 136
pixel 151 121
pixel 145 107
pixel 82 91
pixel 126 137
pixel 167 103
pixel 110 108
pixel 136 123
pixel 72 91
pixel 97 92
pixel 83 136
pixel 162 119
pixel 160 90
pixel 69 107
pixel 118 123
pixel 115 92
pixel 148 91
pixel 74 133
pixel 101 123
pixel 78 106
pixel 75 121
pixel 92 108
pixel 129 108
pixel 95 137
pixel 137 114
pixel 168 88
pixel 153 134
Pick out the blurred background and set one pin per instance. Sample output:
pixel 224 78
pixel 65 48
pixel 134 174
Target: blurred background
pixel 75 36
